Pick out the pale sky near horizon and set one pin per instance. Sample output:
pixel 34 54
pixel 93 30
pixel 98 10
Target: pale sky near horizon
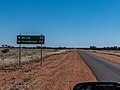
pixel 71 23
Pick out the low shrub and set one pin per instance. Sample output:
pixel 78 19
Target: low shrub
pixel 5 50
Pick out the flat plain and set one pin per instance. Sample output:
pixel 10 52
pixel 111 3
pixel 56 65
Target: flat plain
pixel 61 70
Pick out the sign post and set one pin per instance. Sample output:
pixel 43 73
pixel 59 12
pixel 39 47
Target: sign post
pixel 41 55
pixel 19 62
pixel 19 59
pixel 29 39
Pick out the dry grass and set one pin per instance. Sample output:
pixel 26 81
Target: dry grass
pixel 28 55
pixel 108 52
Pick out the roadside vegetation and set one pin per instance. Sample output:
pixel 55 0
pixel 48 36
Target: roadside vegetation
pixel 9 56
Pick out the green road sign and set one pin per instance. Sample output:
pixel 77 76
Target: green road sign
pixel 24 39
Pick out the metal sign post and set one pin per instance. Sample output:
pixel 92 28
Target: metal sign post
pixel 19 62
pixel 41 56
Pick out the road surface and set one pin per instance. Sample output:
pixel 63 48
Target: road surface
pixel 104 70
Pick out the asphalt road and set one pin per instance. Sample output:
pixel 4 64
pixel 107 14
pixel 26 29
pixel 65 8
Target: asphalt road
pixel 103 69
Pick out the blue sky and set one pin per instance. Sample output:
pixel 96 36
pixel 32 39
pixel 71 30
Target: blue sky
pixel 71 23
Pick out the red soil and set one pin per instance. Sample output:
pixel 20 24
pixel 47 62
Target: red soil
pixel 59 72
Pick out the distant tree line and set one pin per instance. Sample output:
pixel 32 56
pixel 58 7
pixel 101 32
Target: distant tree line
pixel 7 46
pixel 45 47
pixel 36 47
pixel 105 48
